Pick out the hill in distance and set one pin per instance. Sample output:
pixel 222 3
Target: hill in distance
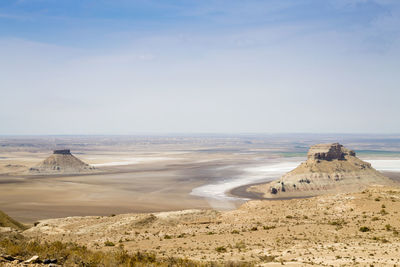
pixel 62 161
pixel 7 221
pixel 329 168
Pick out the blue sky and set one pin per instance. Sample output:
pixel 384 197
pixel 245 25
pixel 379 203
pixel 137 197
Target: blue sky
pixel 126 67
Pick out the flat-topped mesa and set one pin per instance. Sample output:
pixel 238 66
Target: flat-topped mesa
pixel 62 152
pixel 61 161
pixel 329 152
pixel 329 168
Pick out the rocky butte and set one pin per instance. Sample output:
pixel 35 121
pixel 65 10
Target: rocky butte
pixel 329 168
pixel 62 161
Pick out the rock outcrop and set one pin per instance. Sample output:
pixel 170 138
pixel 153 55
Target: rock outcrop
pixel 62 161
pixel 329 152
pixel 329 168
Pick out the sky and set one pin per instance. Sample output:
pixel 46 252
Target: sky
pixel 190 66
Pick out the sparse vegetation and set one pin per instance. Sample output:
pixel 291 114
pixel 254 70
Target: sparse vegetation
pixel 337 222
pixel 220 249
pixel 240 245
pixel 364 229
pixel 71 254
pixel 383 212
pixel 267 258
pixel 109 243
pixel 253 239
pixel 269 227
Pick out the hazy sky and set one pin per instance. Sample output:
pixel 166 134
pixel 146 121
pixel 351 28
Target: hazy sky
pixel 234 66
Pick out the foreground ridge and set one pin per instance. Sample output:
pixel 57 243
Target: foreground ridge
pixel 330 230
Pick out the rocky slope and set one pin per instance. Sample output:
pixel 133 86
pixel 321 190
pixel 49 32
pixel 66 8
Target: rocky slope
pixel 62 161
pixel 350 229
pixel 329 168
pixel 7 221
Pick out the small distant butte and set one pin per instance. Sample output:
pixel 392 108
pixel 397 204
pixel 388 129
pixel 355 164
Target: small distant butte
pixel 62 151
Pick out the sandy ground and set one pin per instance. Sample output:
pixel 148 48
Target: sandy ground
pixel 353 229
pixel 145 182
pixel 319 231
pixel 161 181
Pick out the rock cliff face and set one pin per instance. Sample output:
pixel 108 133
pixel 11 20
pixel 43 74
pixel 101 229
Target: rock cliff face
pixel 62 161
pixel 329 152
pixel 329 168
pixel 62 152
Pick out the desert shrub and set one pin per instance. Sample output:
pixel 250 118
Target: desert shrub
pixel 383 212
pixel 240 245
pixel 364 229
pixel 267 258
pixel 220 249
pixel 268 227
pixel 109 243
pixel 337 222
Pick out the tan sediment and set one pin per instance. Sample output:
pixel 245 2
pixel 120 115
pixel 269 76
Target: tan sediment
pixel 323 230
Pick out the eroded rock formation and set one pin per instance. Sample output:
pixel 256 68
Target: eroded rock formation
pixel 328 168
pixel 62 161
pixel 329 152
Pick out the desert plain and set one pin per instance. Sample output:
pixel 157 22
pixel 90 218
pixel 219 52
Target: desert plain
pixel 139 175
pixel 187 196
